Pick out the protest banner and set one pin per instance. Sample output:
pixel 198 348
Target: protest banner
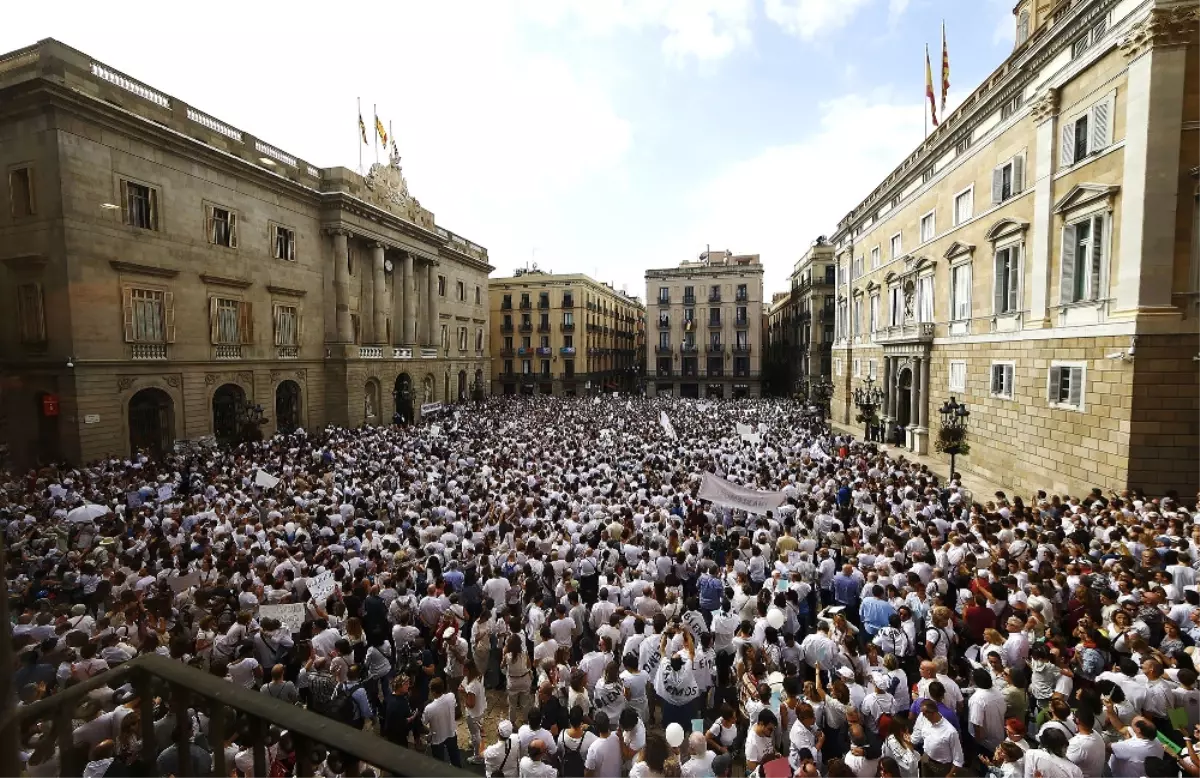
pixel 291 616
pixel 723 492
pixel 264 479
pixel 165 492
pixel 743 430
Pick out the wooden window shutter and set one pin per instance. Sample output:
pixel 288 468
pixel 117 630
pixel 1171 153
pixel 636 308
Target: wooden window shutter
pixel 127 310
pixel 210 227
pixel 277 318
pixel 291 245
pixel 1095 263
pixel 1075 389
pixel 1100 126
pixel 125 215
pixel 299 326
pixel 1066 285
pixel 1067 157
pixel 32 189
pixel 214 327
pixel 998 285
pixel 1055 384
pixel 153 208
pixel 1018 175
pixel 169 316
pixel 1014 277
pixel 233 236
pixel 245 322
pixel 273 236
pixel 997 190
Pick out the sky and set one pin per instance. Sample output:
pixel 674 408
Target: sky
pixel 596 136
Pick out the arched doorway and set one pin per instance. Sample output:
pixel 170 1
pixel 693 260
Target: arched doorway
pixel 402 397
pixel 371 403
pixel 462 386
pixel 151 423
pixel 904 397
pixel 287 406
pixel 477 387
pixel 227 404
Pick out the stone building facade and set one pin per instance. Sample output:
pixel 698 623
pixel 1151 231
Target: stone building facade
pixel 800 332
pixel 1036 257
pixel 563 334
pixel 705 327
pixel 166 273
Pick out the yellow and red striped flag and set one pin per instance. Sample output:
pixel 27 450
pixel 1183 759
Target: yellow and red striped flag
pixel 929 88
pixel 945 69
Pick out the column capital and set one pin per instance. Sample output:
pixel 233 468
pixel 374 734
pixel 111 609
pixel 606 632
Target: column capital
pixel 377 244
pixel 336 231
pixel 1164 27
pixel 1045 105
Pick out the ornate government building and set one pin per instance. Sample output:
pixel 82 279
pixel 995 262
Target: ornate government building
pixel 168 276
pixel 1038 257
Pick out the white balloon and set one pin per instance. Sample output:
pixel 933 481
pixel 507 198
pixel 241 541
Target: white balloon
pixel 776 618
pixel 675 735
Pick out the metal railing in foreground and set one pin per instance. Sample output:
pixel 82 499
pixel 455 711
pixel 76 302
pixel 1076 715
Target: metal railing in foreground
pixel 230 708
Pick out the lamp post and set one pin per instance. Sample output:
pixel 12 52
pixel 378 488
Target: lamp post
pixel 952 437
pixel 868 398
pixel 820 392
pixel 250 420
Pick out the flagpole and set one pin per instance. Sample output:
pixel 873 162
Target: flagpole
pixel 375 116
pixel 924 112
pixel 358 139
pixel 391 136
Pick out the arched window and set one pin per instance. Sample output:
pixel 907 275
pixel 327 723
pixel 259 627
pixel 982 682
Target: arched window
pixel 1022 26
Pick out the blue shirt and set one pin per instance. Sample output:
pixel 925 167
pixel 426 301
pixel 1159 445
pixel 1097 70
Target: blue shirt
pixel 875 614
pixel 949 715
pixel 711 592
pixel 845 589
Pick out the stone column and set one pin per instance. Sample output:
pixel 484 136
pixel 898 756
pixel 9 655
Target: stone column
pixel 379 294
pixel 914 394
pixel 887 386
pixel 1156 50
pixel 410 302
pixel 923 405
pixel 431 303
pixel 1041 238
pixel 341 285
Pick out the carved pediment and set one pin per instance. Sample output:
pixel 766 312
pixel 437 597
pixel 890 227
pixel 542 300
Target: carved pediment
pixel 958 249
pixel 873 286
pixel 1006 227
pixel 1086 194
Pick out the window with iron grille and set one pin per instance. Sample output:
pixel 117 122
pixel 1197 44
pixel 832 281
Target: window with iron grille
pixel 31 316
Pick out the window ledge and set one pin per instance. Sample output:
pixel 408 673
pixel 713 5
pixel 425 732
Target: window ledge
pixel 994 396
pixel 1065 407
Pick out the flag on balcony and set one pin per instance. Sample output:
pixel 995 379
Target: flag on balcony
pixel 929 88
pixel 688 325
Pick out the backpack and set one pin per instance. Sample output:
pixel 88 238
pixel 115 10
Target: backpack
pixel 342 707
pixel 572 761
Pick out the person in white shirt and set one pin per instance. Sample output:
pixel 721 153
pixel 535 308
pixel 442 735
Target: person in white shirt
pixel 939 740
pixel 1129 756
pixel 532 765
pixel 985 711
pixel 1050 760
pixel 760 739
pixel 699 763
pixel 439 719
pixel 1086 747
pixel 504 756
pixel 603 758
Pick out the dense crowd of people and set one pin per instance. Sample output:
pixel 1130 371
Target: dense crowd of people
pixel 533 587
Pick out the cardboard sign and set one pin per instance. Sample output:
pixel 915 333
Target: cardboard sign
pixel 180 582
pixel 264 479
pixel 321 587
pixel 291 616
pixel 165 492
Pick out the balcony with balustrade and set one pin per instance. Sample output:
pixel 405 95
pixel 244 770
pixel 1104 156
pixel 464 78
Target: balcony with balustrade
pixel 567 326
pixel 526 305
pixel 716 348
pixel 227 352
pixel 689 348
pixel 147 352
pixel 663 349
pixel 910 332
pixel 526 326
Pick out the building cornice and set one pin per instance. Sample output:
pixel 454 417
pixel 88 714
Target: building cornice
pixel 284 291
pixel 1009 80
pixel 232 283
pixel 138 269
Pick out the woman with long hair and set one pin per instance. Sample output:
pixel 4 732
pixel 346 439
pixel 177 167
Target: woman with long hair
pixel 517 670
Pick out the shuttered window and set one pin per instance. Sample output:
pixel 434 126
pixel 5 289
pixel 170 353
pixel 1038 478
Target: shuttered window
pixel 149 315
pixel 960 291
pixel 287 325
pixel 895 307
pixel 221 226
pixel 964 207
pixel 925 299
pixel 1008 180
pixel 958 376
pixel 1065 386
pixel 283 242
pixel 31 314
pixel 139 205
pixel 1084 249
pixel 1089 133
pixel 231 322
pixel 1006 281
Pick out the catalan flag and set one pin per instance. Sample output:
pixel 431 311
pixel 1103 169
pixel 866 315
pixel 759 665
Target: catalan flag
pixel 929 88
pixel 945 69
pixel 362 129
pixel 380 131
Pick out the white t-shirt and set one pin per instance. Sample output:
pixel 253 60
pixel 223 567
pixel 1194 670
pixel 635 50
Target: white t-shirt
pixel 757 747
pixel 604 757
pixel 476 687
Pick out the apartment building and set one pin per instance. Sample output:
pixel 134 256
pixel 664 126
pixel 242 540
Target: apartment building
pixel 563 334
pixel 1036 257
pixel 705 320
pixel 171 277
pixel 802 331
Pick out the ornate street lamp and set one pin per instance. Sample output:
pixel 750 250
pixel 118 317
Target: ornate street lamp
pixel 952 437
pixel 868 398
pixel 820 393
pixel 250 420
